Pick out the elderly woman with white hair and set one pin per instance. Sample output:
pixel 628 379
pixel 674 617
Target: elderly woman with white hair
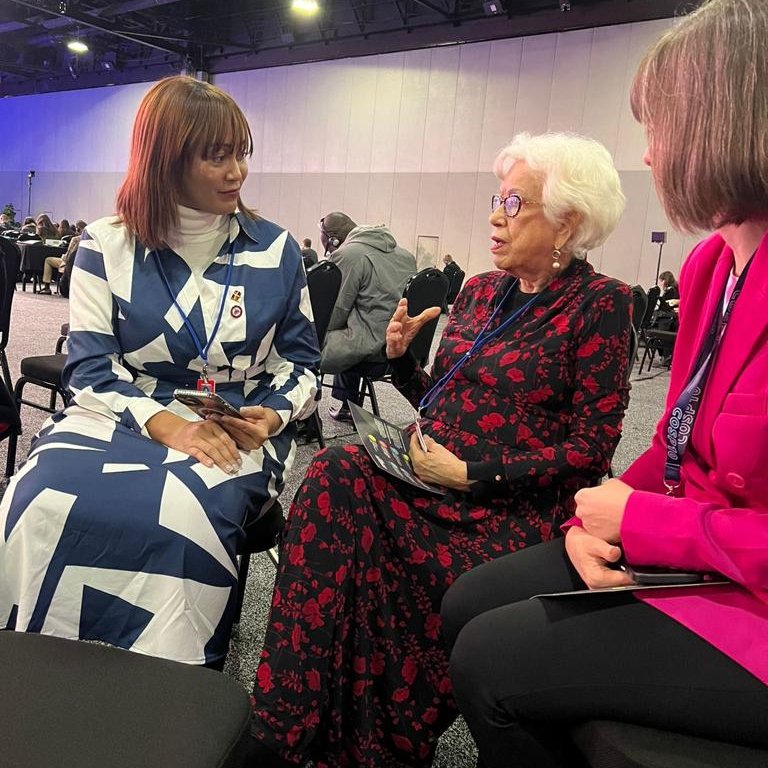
pixel 522 409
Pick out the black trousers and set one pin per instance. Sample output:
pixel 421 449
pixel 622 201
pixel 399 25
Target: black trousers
pixel 523 670
pixel 346 386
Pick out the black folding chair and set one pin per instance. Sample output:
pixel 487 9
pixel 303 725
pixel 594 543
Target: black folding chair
pixel 10 259
pixel 324 283
pixel 425 289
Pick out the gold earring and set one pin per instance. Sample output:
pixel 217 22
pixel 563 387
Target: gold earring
pixel 556 259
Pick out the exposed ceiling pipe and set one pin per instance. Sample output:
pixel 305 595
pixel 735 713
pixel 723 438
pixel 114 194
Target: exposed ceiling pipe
pixel 115 9
pixel 87 21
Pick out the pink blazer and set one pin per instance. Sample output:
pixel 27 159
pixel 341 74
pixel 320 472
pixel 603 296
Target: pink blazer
pixel 721 521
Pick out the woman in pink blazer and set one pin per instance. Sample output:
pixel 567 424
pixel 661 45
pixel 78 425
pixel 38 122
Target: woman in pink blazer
pixel 691 659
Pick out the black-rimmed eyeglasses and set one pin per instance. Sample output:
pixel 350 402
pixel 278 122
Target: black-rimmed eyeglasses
pixel 512 204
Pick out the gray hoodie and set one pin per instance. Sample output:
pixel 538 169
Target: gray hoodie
pixel 374 272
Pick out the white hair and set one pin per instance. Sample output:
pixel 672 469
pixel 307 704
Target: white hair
pixel 578 175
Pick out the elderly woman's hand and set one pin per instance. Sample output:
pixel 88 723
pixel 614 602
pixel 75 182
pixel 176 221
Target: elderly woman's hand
pixel 438 465
pixel 601 509
pixel 402 329
pixel 252 431
pixel 591 556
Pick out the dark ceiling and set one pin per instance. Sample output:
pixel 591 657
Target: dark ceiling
pixel 140 40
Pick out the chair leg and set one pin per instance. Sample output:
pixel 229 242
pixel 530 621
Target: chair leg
pixel 319 428
pixel 242 580
pixel 6 370
pixel 368 385
pixel 10 462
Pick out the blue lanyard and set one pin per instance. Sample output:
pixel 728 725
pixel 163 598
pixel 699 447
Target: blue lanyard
pixel 480 341
pixel 202 350
pixel 686 407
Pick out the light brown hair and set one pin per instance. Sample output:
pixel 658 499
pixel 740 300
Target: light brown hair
pixel 178 119
pixel 702 94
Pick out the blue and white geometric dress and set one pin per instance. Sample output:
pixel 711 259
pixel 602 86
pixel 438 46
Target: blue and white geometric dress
pixel 107 534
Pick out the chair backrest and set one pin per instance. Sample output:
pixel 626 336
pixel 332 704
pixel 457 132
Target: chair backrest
pixel 10 259
pixel 639 304
pixel 324 283
pixel 425 289
pixel 457 280
pixel 651 298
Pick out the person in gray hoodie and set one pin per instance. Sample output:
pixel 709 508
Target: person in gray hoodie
pixel 374 272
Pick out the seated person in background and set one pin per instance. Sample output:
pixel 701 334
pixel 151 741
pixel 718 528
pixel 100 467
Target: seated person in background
pixel 65 229
pixel 80 225
pixel 6 222
pixel 692 660
pixel 451 267
pixel 58 263
pixel 353 670
pixel 46 229
pixel 665 316
pixel 29 228
pixel 374 271
pixel 124 524
pixel 308 254
pixel 668 286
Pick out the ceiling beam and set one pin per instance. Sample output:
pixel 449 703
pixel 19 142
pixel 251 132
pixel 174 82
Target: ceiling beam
pixel 88 21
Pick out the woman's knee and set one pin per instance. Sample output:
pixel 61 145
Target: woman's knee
pixel 460 604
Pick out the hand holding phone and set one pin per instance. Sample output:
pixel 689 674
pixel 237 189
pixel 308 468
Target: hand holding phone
pixel 206 403
pixel 651 575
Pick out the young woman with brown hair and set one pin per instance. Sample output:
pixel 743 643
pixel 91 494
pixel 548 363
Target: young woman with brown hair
pixel 143 503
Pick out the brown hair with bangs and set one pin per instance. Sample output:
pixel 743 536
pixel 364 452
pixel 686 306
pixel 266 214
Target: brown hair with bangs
pixel 702 94
pixel 179 118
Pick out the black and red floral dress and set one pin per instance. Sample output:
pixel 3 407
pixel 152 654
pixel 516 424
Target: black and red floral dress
pixel 353 671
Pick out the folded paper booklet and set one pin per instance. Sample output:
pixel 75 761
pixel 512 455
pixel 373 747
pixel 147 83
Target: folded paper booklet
pixel 632 588
pixel 387 445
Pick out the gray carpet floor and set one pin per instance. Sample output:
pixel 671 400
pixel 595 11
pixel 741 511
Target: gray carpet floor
pixel 35 326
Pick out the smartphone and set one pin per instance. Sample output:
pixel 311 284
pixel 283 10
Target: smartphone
pixel 648 574
pixel 205 403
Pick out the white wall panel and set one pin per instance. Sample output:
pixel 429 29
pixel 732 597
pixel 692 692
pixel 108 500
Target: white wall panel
pixel 332 112
pixel 441 106
pixel 274 120
pixel 570 76
pixel 361 77
pixel 500 105
pixel 535 85
pixel 386 116
pixel 630 141
pixel 293 120
pixel 405 190
pixel 608 70
pixel 413 111
pixel 471 93
pixel 457 222
pixel 431 204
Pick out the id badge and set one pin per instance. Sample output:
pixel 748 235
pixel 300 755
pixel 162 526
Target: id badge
pixel 206 385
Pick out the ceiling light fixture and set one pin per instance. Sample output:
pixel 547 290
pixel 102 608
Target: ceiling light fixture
pixel 306 7
pixel 77 46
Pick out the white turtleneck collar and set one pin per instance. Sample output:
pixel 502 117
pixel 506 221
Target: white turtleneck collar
pixel 199 235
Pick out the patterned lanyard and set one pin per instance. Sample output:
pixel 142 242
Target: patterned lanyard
pixel 686 407
pixel 201 350
pixel 482 339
